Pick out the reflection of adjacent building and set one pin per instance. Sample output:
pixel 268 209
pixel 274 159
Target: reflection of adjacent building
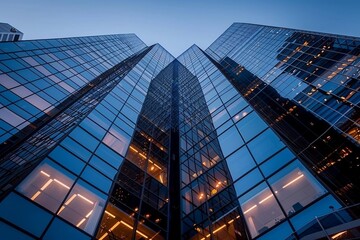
pixel 9 34
pixel 332 156
pixel 309 98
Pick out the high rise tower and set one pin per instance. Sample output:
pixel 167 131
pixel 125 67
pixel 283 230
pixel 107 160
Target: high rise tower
pixel 256 137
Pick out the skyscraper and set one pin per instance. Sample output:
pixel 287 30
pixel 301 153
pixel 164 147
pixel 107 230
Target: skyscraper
pixel 256 137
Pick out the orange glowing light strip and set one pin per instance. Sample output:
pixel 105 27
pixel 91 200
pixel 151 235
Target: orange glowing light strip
pixel 129 226
pixel 35 195
pixel 250 209
pixel 83 220
pixel 112 228
pixel 85 198
pixel 70 199
pixel 338 235
pixel 46 184
pixel 62 184
pixel 132 148
pixel 291 182
pixel 110 214
pixel 45 173
pixel 265 199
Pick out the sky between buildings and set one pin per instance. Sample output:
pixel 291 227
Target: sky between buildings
pixel 175 24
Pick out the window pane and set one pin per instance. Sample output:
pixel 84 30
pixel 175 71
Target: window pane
pixel 260 209
pixel 61 230
pixel 265 145
pixel 240 162
pixel 250 126
pixel 22 213
pixel 83 207
pixel 47 185
pixel 295 187
pixel 7 232
pixel 230 141
pixel 117 140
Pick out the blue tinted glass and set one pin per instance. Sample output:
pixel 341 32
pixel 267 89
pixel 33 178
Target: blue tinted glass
pixel 276 162
pixel 93 128
pixel 321 207
pixel 280 232
pixel 240 162
pixel 230 141
pixel 84 138
pixel 60 230
pixel 250 126
pixel 9 233
pixel 68 160
pixel 97 179
pixel 103 167
pixel 265 145
pixel 247 181
pixel 22 213
pixel 109 156
pixel 76 149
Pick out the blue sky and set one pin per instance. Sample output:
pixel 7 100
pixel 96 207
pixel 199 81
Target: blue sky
pixel 175 24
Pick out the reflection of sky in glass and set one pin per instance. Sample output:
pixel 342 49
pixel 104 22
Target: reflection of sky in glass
pixel 175 24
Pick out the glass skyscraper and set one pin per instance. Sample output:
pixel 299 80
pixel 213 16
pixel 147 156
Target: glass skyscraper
pixel 256 137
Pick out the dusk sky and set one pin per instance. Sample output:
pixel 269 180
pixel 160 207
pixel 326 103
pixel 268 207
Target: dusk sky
pixel 175 24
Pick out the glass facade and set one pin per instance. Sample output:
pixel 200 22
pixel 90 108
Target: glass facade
pixel 256 137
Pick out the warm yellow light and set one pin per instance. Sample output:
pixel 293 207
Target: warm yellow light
pixel 265 199
pixel 62 208
pixel 85 198
pixel 338 234
pixel 111 215
pixel 132 148
pixel 46 185
pixel 157 166
pixel 112 228
pixel 161 179
pixel 218 229
pixel 129 226
pixel 115 225
pixel 292 181
pixel 88 215
pixel 250 209
pixel 103 236
pixel 62 184
pixel 44 173
pixel 70 199
pixel 35 195
pixel 79 224
pixel 142 155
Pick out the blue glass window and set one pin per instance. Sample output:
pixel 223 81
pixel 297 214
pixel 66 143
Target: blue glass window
pixel 8 232
pixel 230 140
pixel 60 230
pixel 240 162
pixel 96 178
pixel 265 145
pixel 22 213
pixel 250 126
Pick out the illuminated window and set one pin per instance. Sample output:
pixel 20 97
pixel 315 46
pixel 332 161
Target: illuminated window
pixel 116 224
pixel 295 187
pixel 47 185
pixel 260 209
pixel 83 207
